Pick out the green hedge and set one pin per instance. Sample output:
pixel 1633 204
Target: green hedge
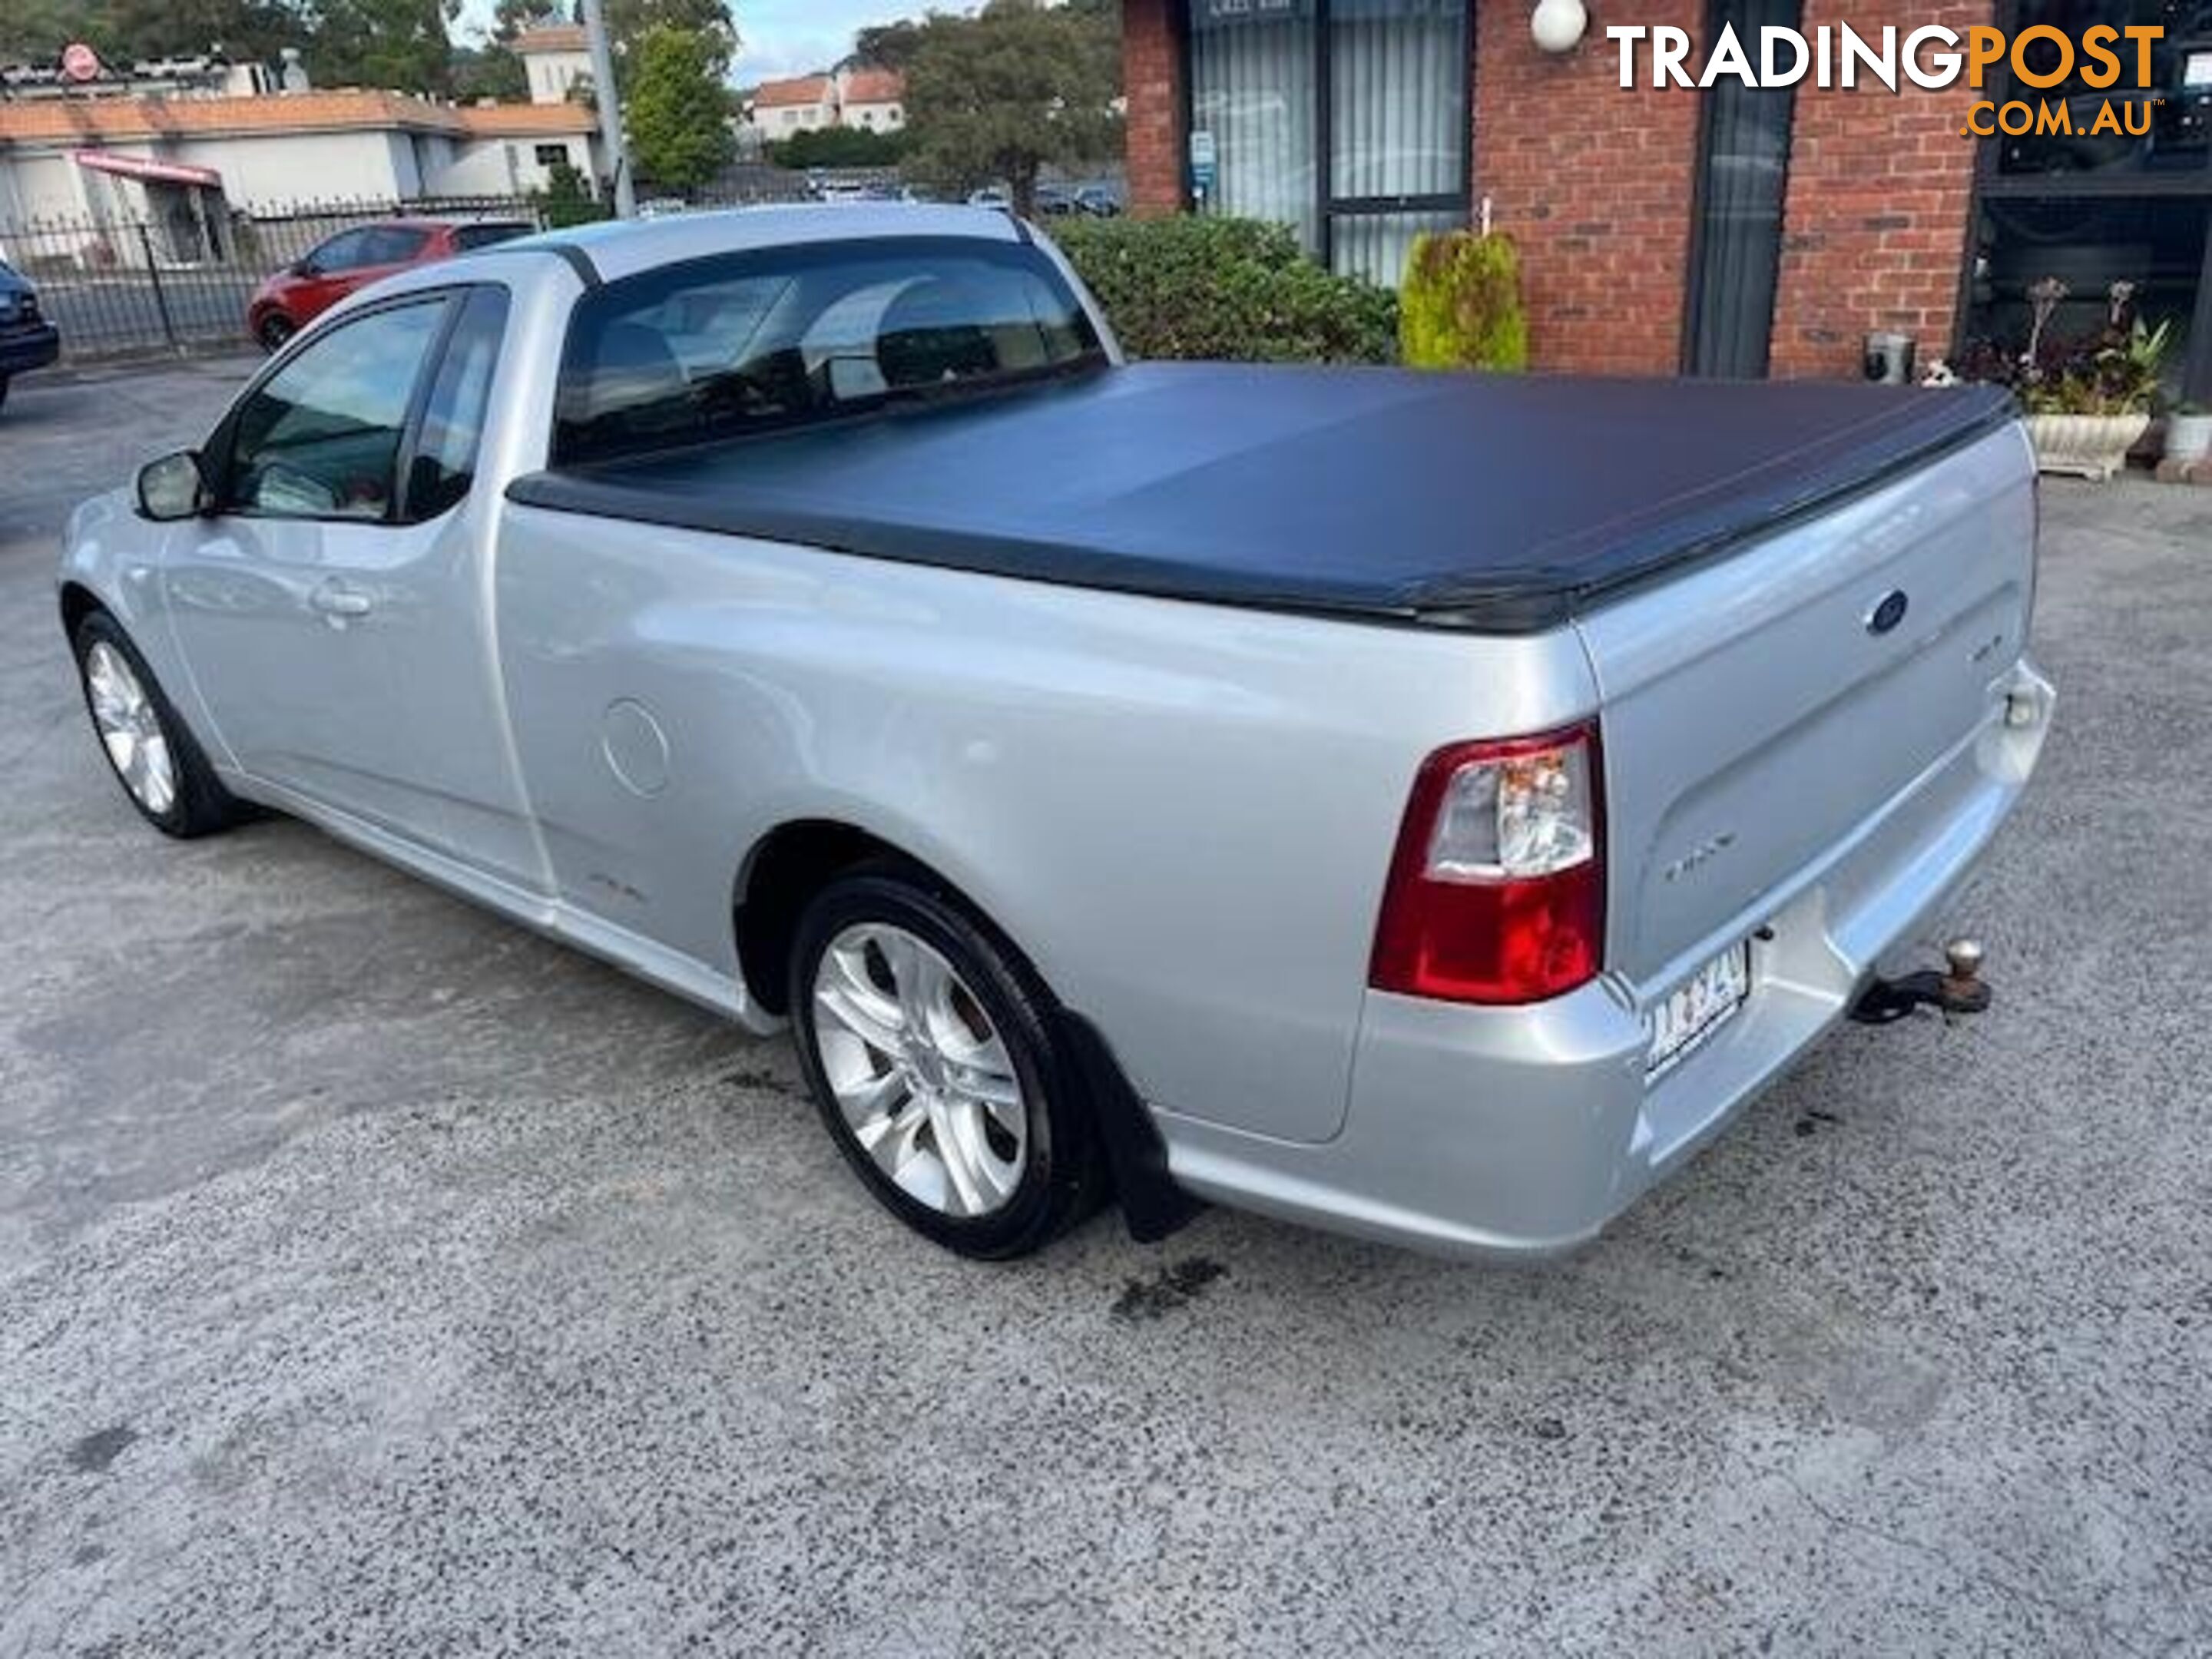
pixel 1230 289
pixel 1460 306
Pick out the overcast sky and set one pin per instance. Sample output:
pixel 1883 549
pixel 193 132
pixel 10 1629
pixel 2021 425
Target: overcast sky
pixel 782 37
pixel 790 37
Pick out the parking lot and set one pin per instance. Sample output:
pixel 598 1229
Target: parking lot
pixel 375 1277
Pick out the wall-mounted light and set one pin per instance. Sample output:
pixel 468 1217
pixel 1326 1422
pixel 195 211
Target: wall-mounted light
pixel 1558 24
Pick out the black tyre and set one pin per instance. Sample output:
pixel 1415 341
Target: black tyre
pixel 929 1046
pixel 4 392
pixel 154 755
pixel 274 329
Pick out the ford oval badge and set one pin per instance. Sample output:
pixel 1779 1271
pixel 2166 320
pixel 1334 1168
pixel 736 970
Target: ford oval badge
pixel 1888 613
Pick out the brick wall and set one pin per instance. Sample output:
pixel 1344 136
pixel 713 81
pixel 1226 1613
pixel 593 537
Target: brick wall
pixel 1594 184
pixel 1151 69
pixel 1881 186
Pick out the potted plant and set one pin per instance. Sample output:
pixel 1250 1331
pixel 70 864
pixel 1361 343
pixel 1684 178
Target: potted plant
pixel 2088 401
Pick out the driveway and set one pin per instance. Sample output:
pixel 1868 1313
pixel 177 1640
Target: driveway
pixel 377 1279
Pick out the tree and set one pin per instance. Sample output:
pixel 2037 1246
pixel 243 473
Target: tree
pixel 1001 94
pixel 512 17
pixel 629 22
pixel 398 44
pixel 490 72
pixel 886 47
pixel 123 31
pixel 677 112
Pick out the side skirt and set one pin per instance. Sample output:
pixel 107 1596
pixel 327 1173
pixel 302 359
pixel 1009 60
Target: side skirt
pixel 685 976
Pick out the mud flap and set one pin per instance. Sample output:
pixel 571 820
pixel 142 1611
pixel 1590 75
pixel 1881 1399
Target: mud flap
pixel 1152 1204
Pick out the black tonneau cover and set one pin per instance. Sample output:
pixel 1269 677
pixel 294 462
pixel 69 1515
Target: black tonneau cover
pixel 1494 504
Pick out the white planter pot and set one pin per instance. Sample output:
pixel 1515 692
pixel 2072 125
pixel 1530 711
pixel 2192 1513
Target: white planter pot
pixel 2188 437
pixel 2091 446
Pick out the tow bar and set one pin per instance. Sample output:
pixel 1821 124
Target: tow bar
pixel 1960 991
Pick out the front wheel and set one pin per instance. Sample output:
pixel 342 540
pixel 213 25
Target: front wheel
pixel 152 752
pixel 930 1051
pixel 273 331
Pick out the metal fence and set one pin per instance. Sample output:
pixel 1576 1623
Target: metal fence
pixel 116 285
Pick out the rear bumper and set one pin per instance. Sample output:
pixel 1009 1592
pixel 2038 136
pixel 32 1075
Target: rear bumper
pixel 1524 1131
pixel 25 348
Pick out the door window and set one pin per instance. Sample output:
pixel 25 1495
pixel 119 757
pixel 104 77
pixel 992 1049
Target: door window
pixel 392 245
pixel 1735 255
pixel 319 439
pixel 344 251
pixel 445 460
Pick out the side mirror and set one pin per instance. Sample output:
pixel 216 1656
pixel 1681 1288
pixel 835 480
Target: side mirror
pixel 306 268
pixel 172 487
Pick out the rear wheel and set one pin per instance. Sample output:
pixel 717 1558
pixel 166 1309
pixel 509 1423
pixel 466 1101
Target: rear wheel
pixel 152 753
pixel 274 329
pixel 930 1051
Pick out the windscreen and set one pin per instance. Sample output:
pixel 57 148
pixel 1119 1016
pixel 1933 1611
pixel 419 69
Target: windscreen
pixel 766 340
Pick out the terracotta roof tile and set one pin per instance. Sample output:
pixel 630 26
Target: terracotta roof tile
pixel 806 90
pixel 875 87
pixel 558 37
pixel 503 120
pixel 80 120
pixel 72 119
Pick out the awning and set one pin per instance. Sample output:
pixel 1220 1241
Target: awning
pixel 139 166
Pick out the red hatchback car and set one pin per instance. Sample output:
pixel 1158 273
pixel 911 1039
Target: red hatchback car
pixel 287 301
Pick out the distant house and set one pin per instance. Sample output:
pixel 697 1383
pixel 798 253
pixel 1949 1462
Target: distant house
pixel 871 97
pixel 872 100
pixel 782 108
pixel 555 59
pixel 185 165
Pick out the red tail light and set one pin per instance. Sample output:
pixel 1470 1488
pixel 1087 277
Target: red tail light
pixel 1496 889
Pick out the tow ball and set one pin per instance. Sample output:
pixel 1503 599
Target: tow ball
pixel 1961 990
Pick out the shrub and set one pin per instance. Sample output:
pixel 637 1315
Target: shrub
pixel 2113 371
pixel 1226 289
pixel 565 201
pixel 1461 305
pixel 839 147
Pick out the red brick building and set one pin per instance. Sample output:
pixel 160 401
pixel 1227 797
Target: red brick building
pixel 1730 230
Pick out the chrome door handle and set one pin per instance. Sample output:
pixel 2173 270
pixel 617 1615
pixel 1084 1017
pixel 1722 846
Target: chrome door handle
pixel 335 599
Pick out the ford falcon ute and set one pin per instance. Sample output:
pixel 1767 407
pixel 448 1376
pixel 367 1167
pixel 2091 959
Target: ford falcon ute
pixel 1425 805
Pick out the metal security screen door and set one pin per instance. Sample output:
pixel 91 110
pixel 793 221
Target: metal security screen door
pixel 1743 167
pixel 2088 209
pixel 1346 119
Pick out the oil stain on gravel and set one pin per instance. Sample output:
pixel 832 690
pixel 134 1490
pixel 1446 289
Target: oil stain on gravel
pixel 93 1454
pixel 1173 1286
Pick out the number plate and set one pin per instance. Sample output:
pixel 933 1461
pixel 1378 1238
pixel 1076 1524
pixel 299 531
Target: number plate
pixel 1694 1009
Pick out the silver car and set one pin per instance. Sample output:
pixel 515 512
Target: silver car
pixel 1428 806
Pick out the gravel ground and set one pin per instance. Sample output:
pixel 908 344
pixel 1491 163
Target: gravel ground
pixel 377 1279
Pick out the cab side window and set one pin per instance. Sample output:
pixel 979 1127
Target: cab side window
pixel 392 245
pixel 319 439
pixel 346 251
pixel 444 463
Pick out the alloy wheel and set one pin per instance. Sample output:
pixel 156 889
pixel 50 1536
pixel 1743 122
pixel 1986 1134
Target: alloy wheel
pixel 131 728
pixel 920 1074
